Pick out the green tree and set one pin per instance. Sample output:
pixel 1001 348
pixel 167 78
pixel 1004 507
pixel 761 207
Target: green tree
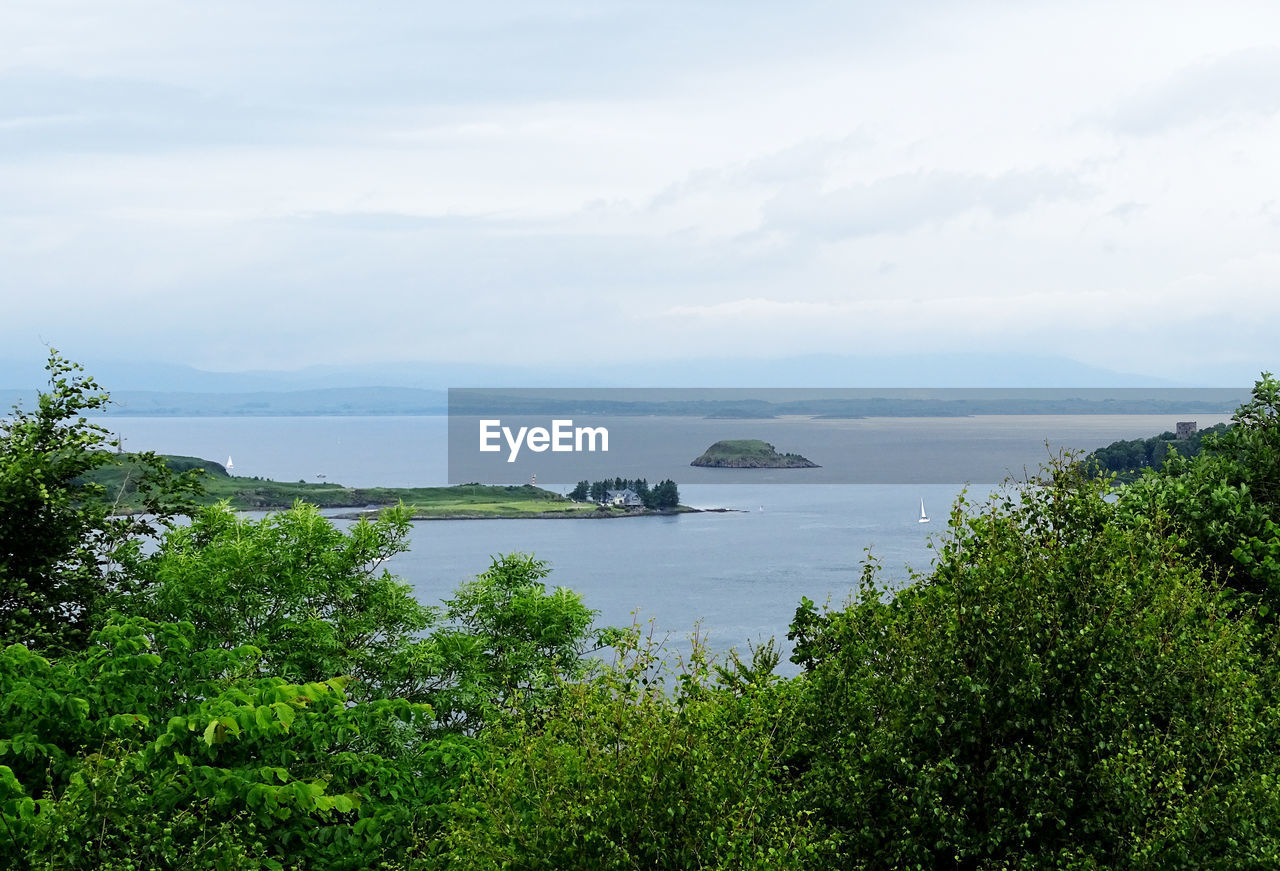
pixel 269 695
pixel 665 495
pixel 315 599
pixel 65 558
pixel 1223 505
pixel 170 742
pixel 639 767
pixel 1064 690
pixel 580 492
pixel 511 642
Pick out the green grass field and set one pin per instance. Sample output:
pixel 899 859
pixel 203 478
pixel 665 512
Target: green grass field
pixel 469 507
pixel 119 480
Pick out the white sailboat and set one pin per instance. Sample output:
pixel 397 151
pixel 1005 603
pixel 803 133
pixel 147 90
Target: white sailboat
pixel 230 465
pixel 924 518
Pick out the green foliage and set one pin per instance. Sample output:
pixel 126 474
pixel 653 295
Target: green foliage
pixel 1223 505
pixel 665 495
pixel 1128 458
pixel 598 491
pixel 512 643
pixel 64 557
pixel 1063 691
pixel 312 597
pixel 1079 683
pixel 146 751
pixel 315 601
pixel 265 699
pixel 637 768
pixel 221 738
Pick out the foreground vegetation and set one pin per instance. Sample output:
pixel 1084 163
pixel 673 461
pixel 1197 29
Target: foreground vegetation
pixel 1087 679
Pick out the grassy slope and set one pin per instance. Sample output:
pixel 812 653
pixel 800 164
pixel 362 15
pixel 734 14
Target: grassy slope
pixel 463 500
pixel 251 493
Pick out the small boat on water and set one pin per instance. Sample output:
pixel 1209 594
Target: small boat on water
pixel 924 518
pixel 230 465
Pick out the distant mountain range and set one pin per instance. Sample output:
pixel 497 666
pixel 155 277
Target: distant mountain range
pixel 625 369
pixel 159 388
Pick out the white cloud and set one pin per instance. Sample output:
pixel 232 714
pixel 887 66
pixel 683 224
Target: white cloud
pixel 899 203
pixel 1242 83
pixel 321 181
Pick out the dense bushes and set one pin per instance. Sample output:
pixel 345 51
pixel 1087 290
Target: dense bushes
pixel 164 743
pixel 148 752
pixel 640 768
pixel 1224 504
pixel 1082 681
pixel 1062 691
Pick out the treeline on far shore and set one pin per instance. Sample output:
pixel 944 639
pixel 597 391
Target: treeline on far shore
pixel 1128 458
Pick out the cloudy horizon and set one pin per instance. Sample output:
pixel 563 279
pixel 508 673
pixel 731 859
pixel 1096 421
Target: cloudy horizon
pixel 248 186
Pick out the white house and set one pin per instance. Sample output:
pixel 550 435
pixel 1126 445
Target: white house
pixel 627 498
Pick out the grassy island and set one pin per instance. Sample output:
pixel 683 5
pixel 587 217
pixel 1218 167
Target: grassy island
pixel 750 454
pixel 463 501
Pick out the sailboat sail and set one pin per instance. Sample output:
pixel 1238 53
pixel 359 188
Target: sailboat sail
pixel 230 465
pixel 924 518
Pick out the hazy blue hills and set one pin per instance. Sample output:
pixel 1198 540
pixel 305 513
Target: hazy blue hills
pixel 157 388
pixel 619 370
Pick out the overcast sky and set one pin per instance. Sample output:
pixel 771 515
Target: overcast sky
pixel 278 184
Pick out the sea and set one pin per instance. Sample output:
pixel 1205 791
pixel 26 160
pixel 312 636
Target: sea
pixel 735 578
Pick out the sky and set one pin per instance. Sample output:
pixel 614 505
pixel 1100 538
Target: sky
pixel 242 185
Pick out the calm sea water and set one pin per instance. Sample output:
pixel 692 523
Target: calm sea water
pixel 738 575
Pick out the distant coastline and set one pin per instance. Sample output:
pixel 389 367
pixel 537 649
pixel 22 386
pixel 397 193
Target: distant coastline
pixel 406 401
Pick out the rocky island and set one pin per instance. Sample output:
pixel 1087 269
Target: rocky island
pixel 750 454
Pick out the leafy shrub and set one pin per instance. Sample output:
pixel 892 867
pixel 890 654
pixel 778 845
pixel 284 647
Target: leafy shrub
pixel 1063 691
pixel 147 751
pixel 637 768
